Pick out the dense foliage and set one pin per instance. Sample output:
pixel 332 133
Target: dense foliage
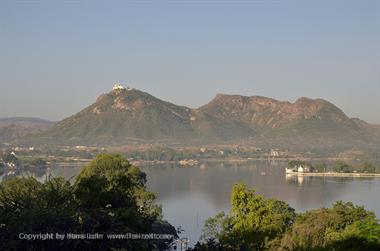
pixel 342 227
pixel 256 223
pixel 108 196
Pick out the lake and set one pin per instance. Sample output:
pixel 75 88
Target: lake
pixel 189 195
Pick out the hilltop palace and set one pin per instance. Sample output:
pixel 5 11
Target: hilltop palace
pixel 118 86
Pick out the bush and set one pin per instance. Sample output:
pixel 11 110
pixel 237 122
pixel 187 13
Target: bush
pixel 256 223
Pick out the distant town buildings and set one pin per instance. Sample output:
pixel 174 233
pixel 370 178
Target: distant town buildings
pixel 277 153
pixel 274 152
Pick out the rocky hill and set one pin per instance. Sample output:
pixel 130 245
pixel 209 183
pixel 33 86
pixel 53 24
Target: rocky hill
pixel 125 115
pixel 306 123
pixel 130 114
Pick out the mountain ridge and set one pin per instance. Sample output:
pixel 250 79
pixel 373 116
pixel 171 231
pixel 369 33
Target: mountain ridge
pixel 122 115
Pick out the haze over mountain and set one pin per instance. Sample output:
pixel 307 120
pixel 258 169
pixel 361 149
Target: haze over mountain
pixel 125 115
pixel 16 127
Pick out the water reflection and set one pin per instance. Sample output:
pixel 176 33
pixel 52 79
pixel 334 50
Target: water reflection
pixel 297 179
pixel 189 195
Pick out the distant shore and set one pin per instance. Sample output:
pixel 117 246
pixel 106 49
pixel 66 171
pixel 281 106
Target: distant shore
pixel 332 174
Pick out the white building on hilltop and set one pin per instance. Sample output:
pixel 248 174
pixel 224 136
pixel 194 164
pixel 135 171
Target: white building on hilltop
pixel 118 87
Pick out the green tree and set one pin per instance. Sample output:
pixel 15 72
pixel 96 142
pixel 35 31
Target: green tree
pixel 253 222
pixel 320 168
pixel 367 167
pixel 28 206
pixel 296 163
pixel 108 196
pixel 113 198
pixel 256 223
pixel 343 227
pixel 343 167
pixel 360 235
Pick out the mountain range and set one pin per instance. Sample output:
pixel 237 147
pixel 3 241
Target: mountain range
pixel 130 115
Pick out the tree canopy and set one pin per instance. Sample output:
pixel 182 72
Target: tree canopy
pixel 253 222
pixel 256 223
pixel 108 196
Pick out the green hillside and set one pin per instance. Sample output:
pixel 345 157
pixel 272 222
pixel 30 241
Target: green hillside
pixel 125 115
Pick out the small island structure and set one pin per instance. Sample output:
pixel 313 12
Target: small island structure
pixel 299 169
pixel 305 170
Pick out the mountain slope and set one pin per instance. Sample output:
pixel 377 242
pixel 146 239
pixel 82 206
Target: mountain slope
pixel 125 115
pixel 16 127
pixel 310 123
pixel 265 113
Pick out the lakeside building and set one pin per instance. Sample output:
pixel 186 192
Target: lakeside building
pixel 275 153
pixel 303 169
pixel 298 169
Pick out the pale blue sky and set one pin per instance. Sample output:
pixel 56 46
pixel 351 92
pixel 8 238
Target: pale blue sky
pixel 57 57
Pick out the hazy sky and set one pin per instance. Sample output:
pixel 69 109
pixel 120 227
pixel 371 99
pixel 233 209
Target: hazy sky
pixel 56 58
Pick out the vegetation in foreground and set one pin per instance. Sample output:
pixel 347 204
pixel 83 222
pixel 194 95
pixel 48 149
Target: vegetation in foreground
pixel 108 196
pixel 256 223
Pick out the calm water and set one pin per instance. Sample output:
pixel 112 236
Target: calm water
pixel 189 195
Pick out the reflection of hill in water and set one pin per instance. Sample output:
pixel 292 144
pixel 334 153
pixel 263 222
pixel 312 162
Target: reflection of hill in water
pixel 213 183
pixel 216 180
